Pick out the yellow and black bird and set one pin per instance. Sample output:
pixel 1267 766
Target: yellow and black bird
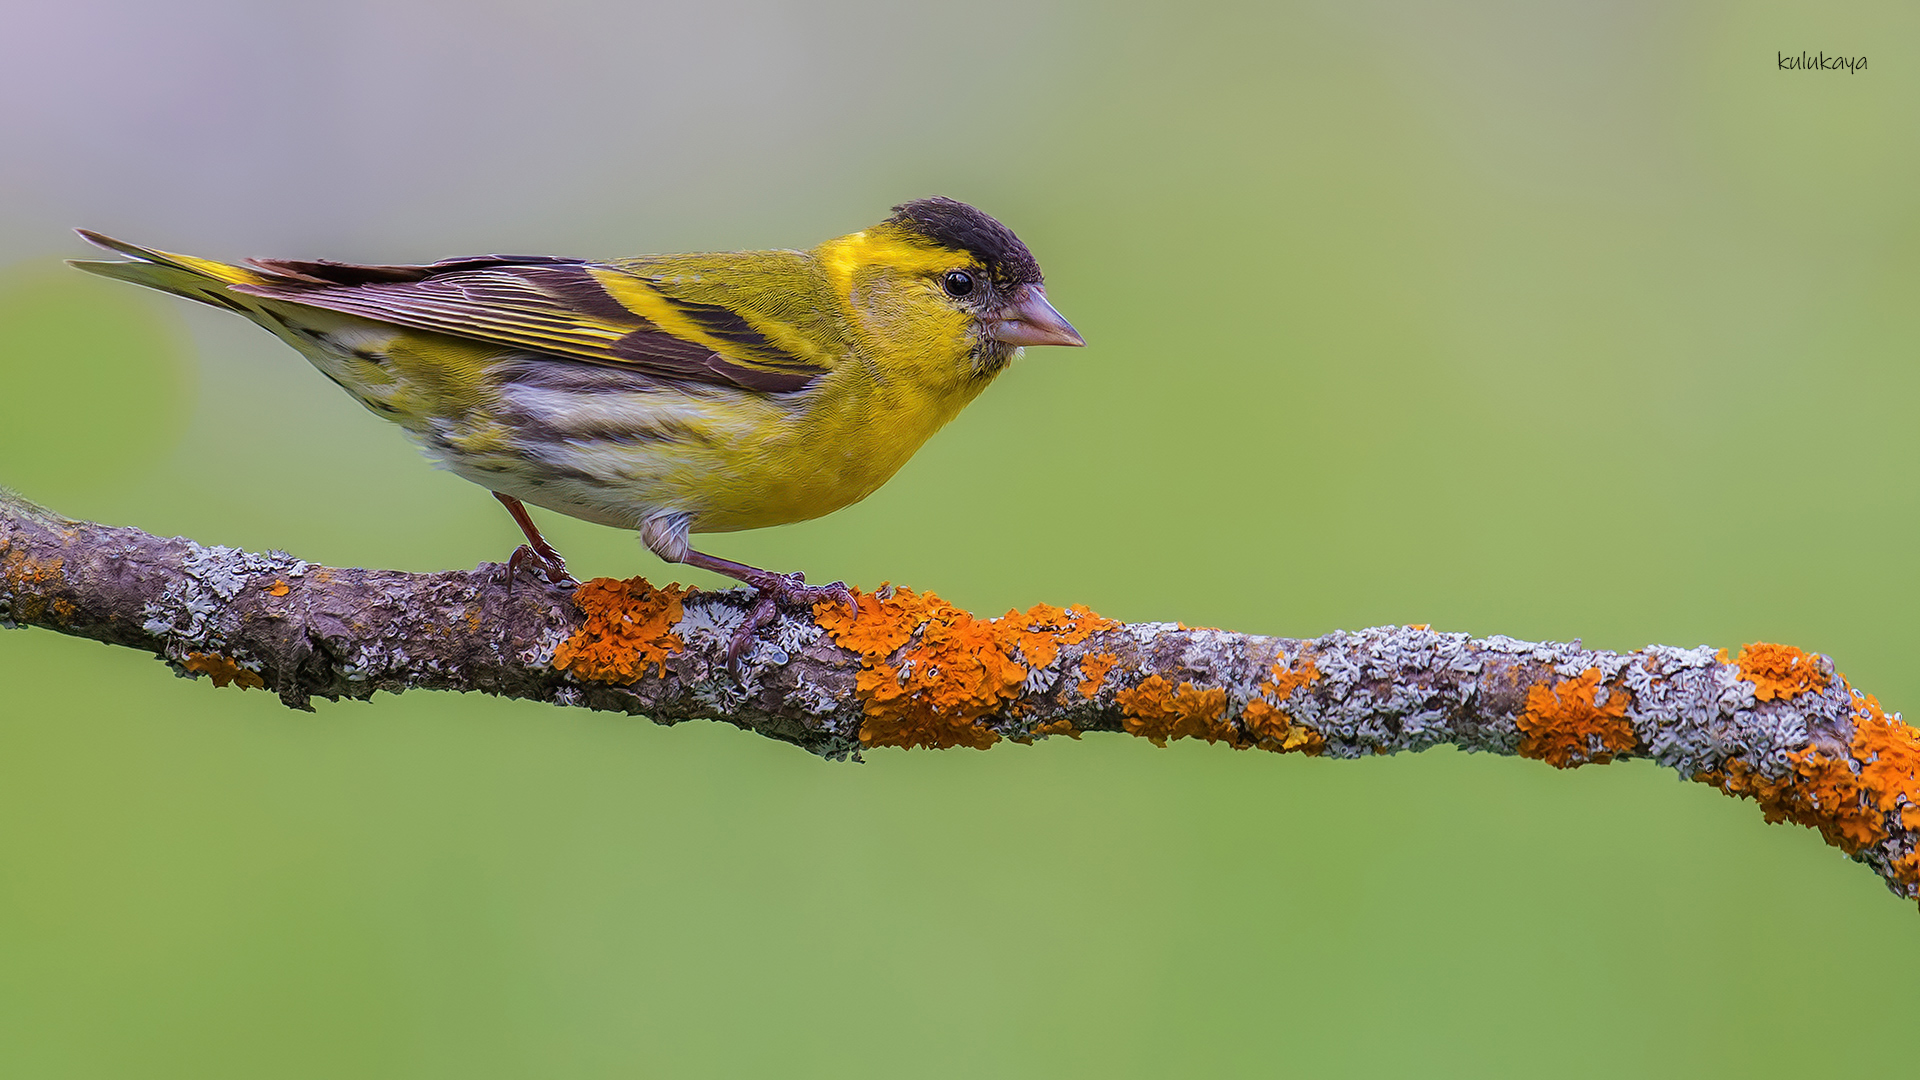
pixel 670 394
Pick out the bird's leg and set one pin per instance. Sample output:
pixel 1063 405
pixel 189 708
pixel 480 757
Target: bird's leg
pixel 790 589
pixel 775 589
pixel 665 534
pixel 536 552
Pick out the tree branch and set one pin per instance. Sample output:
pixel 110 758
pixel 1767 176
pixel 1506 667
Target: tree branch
pixel 1773 724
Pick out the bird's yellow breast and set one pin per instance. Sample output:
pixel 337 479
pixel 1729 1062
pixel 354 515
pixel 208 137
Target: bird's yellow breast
pixel 905 370
pixel 852 437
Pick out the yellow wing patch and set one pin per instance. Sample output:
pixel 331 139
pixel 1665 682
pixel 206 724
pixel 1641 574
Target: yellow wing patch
pixel 566 308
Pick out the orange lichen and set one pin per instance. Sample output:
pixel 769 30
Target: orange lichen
pixel 1560 725
pixel 1889 755
pixel 22 569
pixel 629 628
pixel 1043 628
pixel 952 670
pixel 279 587
pixel 1093 672
pixel 1854 798
pixel 1269 726
pixel 956 673
pixel 1285 680
pixel 1272 729
pixel 223 670
pixel 1056 727
pixel 885 621
pixel 1779 672
pixel 1160 712
pixel 1822 793
pixel 20 572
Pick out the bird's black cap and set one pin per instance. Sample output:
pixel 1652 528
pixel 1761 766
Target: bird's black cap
pixel 952 223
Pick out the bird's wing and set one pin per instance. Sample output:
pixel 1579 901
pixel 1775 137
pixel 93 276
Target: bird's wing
pixel 562 307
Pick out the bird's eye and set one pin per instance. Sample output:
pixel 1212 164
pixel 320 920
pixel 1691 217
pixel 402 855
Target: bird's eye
pixel 957 283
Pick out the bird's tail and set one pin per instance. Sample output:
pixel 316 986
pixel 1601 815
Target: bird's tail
pixel 196 279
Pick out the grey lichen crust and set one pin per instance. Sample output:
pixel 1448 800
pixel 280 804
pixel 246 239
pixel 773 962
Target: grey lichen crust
pixel 1395 688
pixel 1391 688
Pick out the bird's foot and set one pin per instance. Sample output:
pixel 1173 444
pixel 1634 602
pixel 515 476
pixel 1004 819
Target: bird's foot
pixel 776 590
pixel 536 553
pixel 546 565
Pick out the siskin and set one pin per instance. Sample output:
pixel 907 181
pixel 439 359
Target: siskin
pixel 670 394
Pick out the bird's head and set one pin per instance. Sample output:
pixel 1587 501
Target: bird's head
pixel 941 278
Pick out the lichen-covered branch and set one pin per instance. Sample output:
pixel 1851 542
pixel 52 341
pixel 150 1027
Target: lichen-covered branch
pixel 1772 723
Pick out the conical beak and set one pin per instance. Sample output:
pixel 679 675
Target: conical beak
pixel 1030 320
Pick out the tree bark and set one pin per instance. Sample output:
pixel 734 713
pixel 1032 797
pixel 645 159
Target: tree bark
pixel 1774 724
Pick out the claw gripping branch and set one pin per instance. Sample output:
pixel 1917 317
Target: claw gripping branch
pixel 1772 723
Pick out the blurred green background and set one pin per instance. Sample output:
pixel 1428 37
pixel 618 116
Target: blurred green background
pixel 1546 320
